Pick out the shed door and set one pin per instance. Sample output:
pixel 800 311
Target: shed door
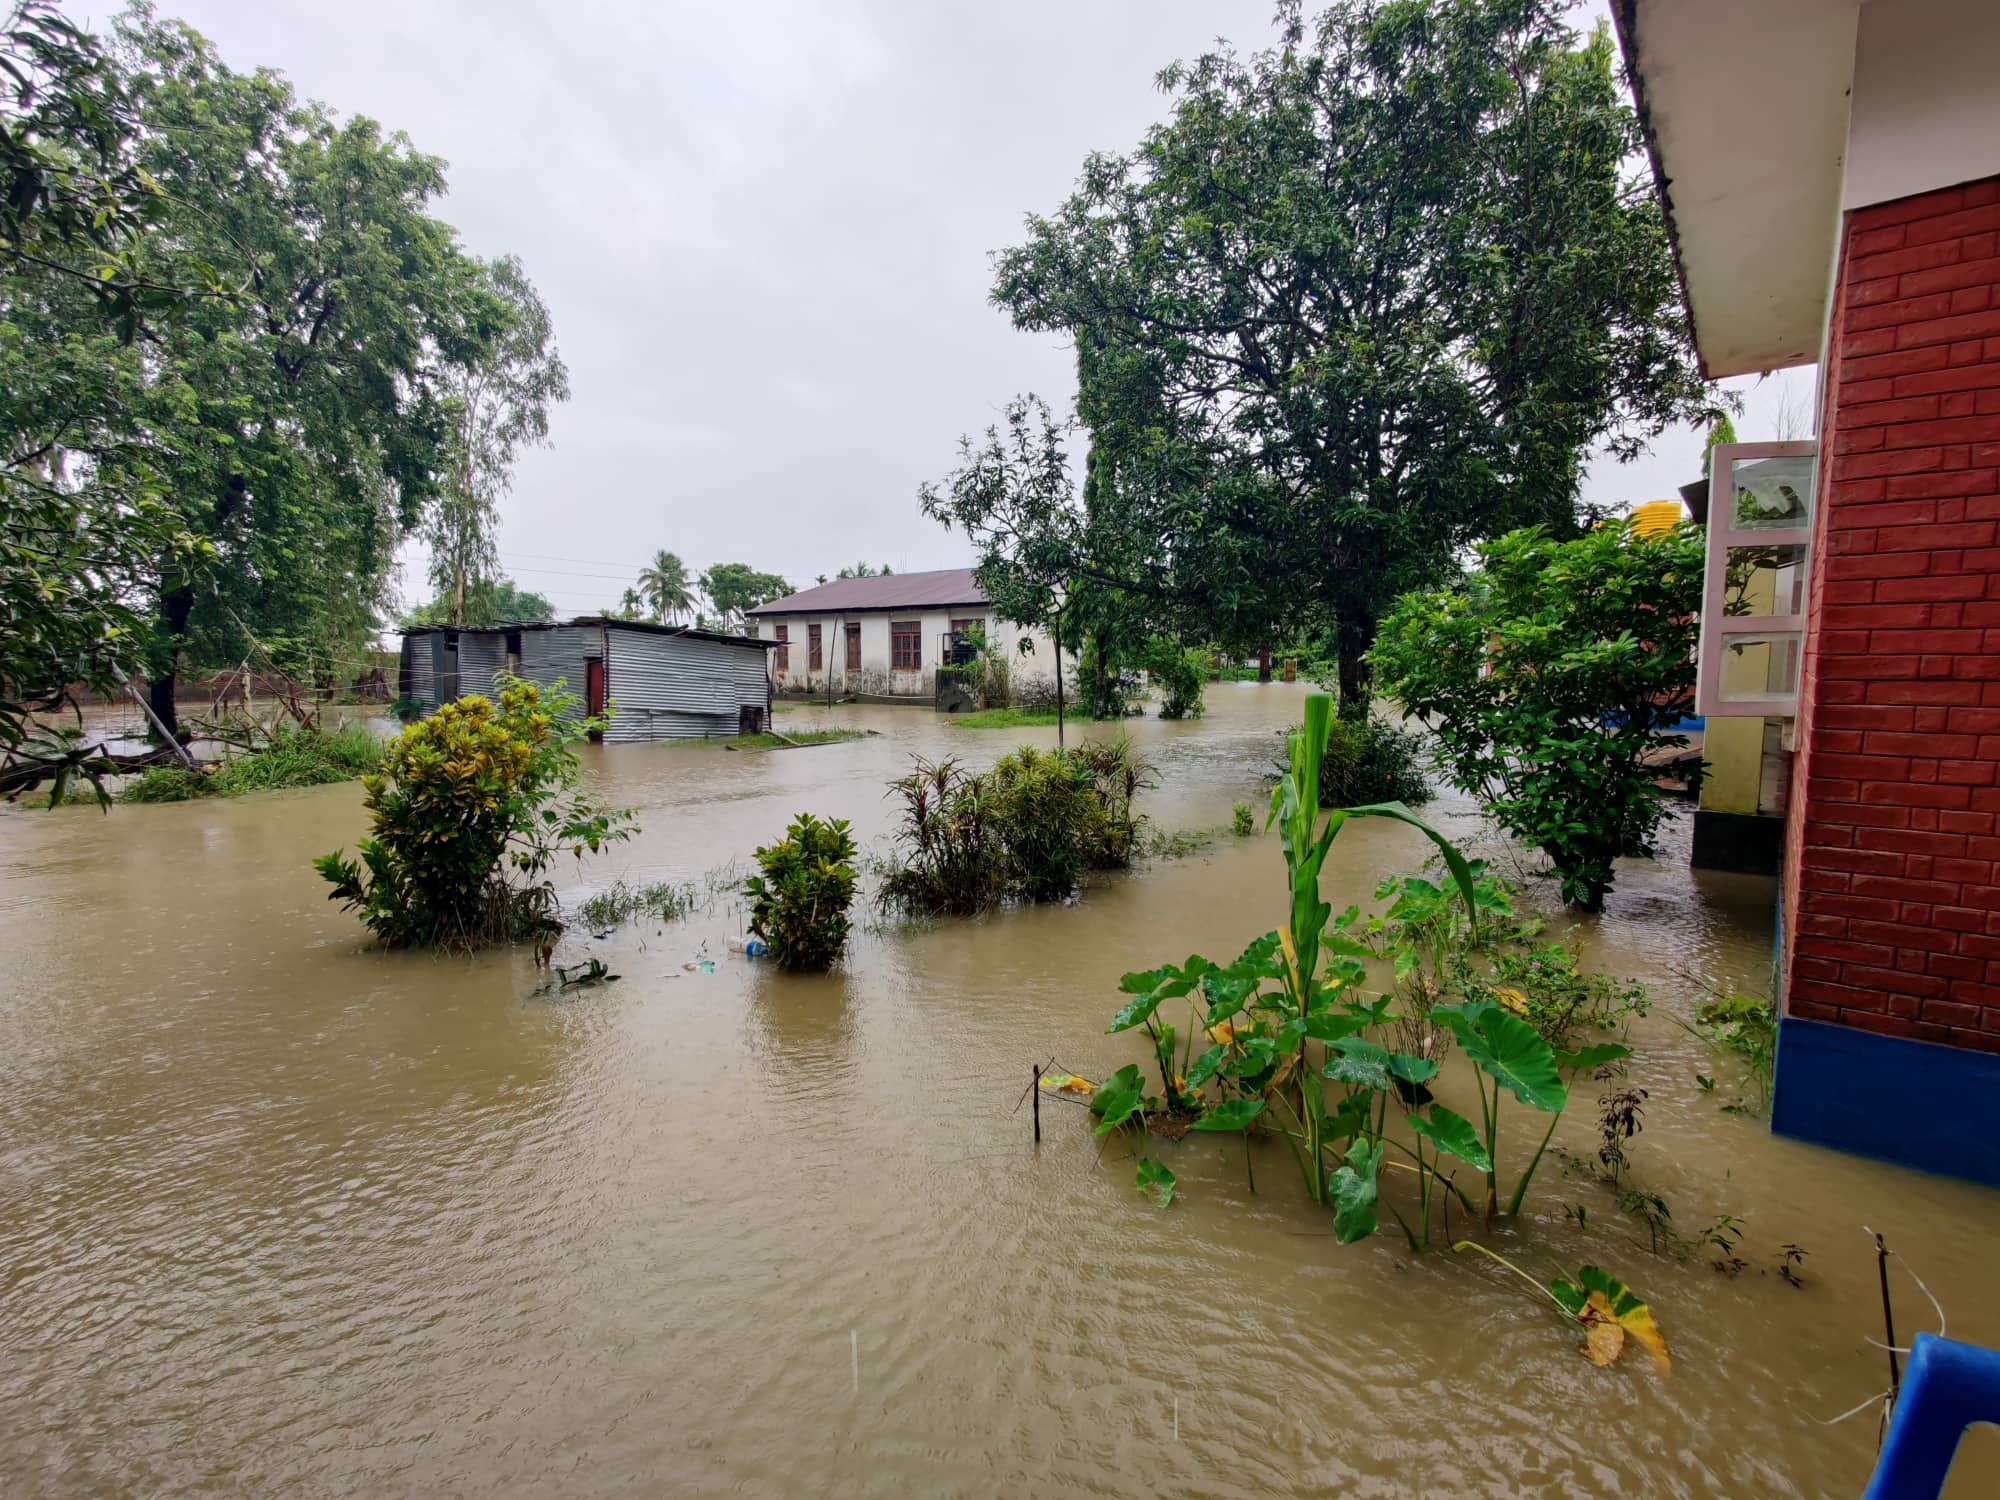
pixel 593 690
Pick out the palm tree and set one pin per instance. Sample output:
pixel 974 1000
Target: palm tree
pixel 667 587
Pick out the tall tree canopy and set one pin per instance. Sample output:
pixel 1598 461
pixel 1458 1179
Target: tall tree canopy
pixel 737 588
pixel 501 402
pixel 302 427
pixel 1360 300
pixel 667 586
pixel 489 601
pixel 83 523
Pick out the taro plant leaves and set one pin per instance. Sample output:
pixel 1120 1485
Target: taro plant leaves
pixel 1353 1191
pixel 1153 987
pixel 1231 1114
pixel 1357 1061
pixel 1592 1058
pixel 1117 1098
pixel 1610 1313
pixel 1509 1051
pixel 1452 1133
pixel 1156 1181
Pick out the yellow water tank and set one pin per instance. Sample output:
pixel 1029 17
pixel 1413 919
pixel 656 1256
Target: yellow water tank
pixel 1656 517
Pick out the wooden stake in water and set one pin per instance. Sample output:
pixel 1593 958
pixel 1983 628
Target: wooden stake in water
pixel 1036 1089
pixel 1888 1319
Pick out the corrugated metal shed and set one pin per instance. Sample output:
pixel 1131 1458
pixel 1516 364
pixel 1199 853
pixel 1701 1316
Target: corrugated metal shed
pixel 670 687
pixel 662 682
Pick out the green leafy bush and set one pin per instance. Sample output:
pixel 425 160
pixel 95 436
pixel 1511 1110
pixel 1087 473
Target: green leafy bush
pixel 1549 677
pixel 1180 672
pixel 1241 822
pixel 799 901
pixel 1026 830
pixel 470 811
pixel 296 756
pixel 1370 760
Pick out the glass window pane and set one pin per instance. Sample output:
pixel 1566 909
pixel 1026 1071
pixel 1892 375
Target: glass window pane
pixel 1765 581
pixel 1760 666
pixel 1771 492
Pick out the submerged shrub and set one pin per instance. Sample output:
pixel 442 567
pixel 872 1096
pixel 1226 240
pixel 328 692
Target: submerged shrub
pixel 1050 822
pixel 1180 672
pixel 470 811
pixel 1370 760
pixel 799 901
pixel 949 859
pixel 295 756
pixel 1026 830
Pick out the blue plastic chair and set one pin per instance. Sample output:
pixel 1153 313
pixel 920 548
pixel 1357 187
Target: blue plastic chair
pixel 1947 1387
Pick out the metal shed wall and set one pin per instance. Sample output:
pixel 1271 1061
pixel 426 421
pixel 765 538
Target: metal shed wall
pixel 665 687
pixel 415 674
pixel 549 655
pixel 480 655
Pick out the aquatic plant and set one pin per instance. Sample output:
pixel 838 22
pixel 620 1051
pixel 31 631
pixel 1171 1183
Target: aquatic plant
pixel 1242 822
pixel 669 900
pixel 799 899
pixel 470 811
pixel 1609 1312
pixel 1289 1026
pixel 1747 1027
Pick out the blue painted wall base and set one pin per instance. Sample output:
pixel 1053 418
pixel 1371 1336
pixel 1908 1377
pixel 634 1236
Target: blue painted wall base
pixel 1916 1103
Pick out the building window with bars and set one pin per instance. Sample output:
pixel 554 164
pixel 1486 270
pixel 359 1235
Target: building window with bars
pixel 854 648
pixel 906 645
pixel 783 655
pixel 812 648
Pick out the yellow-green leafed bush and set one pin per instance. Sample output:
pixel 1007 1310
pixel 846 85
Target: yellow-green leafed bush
pixel 468 813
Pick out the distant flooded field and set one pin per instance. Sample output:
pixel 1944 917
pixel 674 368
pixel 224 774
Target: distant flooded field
pixel 282 1214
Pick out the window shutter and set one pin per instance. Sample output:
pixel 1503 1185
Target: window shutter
pixel 1760 508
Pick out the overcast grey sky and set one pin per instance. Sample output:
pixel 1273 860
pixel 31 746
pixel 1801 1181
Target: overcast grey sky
pixel 762 227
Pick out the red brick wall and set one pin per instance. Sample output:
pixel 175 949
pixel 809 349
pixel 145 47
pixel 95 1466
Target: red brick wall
pixel 1893 905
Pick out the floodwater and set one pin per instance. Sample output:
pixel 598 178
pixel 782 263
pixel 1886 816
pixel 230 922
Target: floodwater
pixel 278 1213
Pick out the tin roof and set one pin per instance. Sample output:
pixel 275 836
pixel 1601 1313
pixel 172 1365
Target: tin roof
pixel 934 590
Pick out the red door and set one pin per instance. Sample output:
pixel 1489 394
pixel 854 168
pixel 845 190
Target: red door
pixel 593 691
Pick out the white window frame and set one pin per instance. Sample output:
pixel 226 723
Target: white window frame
pixel 1719 629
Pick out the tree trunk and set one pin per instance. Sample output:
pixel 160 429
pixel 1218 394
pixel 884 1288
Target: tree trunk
pixel 161 684
pixel 1263 663
pixel 1059 690
pixel 1356 628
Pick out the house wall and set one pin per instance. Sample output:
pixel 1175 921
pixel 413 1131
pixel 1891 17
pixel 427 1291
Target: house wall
pixel 1893 919
pixel 876 678
pixel 1922 116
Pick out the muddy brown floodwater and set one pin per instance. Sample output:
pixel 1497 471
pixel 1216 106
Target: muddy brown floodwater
pixel 278 1213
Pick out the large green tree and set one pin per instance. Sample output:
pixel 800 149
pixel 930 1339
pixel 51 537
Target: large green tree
pixel 301 428
pixel 1360 300
pixel 82 518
